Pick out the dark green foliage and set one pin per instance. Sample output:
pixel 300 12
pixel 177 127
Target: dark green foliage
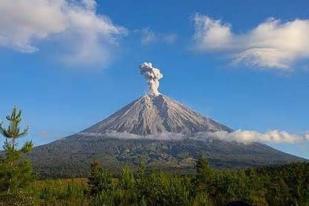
pixel 15 171
pixel 166 189
pixel 100 180
pixel 15 174
pixel 285 185
pixel 156 188
pixel 13 131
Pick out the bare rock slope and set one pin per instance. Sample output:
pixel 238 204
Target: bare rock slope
pixel 154 115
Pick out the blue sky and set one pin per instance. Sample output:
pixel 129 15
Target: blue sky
pixel 66 77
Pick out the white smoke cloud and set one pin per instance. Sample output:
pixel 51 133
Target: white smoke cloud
pixel 86 36
pixel 152 76
pixel 247 136
pixel 271 45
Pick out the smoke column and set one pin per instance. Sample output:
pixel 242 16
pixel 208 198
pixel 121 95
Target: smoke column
pixel 152 76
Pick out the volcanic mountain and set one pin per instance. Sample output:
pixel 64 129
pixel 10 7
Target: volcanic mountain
pixel 158 130
pixel 156 115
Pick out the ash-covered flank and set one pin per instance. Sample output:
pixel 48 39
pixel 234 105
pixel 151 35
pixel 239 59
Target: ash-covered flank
pixel 155 115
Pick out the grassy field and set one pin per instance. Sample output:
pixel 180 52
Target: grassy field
pixel 60 192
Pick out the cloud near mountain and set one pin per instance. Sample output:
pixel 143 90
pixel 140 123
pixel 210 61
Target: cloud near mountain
pixel 87 37
pixel 248 136
pixel 270 45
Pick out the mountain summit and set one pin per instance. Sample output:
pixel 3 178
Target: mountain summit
pixel 155 115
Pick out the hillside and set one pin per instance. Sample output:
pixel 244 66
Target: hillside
pixel 72 156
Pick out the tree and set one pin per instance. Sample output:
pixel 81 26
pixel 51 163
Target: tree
pixel 127 180
pixel 204 174
pixel 100 180
pixel 100 184
pixel 15 171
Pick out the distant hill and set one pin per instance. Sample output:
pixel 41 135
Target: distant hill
pixel 157 130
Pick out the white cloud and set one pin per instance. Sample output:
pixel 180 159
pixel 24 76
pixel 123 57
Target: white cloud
pixel 247 136
pixel 89 4
pixel 211 34
pixel 271 45
pixel 125 135
pixel 86 36
pixel 149 37
pixel 240 136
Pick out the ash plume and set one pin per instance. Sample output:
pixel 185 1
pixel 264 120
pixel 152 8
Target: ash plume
pixel 152 76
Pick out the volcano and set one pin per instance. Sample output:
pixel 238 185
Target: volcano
pixel 156 129
pixel 156 115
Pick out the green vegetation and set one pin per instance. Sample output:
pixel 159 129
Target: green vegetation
pixel 69 192
pixel 284 185
pixel 274 186
pixel 15 171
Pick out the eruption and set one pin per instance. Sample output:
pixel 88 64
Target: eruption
pixel 152 76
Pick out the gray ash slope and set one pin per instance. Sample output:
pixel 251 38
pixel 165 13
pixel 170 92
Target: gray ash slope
pixel 146 119
pixel 154 115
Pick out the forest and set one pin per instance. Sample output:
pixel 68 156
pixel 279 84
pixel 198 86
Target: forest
pixel 19 185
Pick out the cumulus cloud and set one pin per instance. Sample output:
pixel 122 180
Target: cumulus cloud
pixel 248 136
pixel 270 45
pixel 149 37
pixel 85 36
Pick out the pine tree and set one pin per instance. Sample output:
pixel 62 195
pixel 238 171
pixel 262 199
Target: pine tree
pixel 204 174
pixel 15 171
pixel 100 180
